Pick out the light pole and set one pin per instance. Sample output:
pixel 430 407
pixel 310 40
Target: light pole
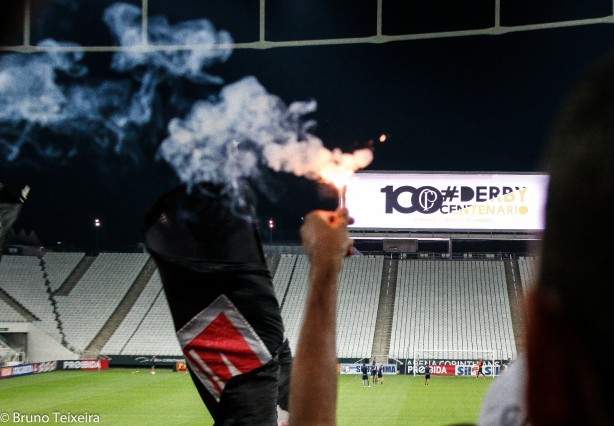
pixel 271 226
pixel 97 225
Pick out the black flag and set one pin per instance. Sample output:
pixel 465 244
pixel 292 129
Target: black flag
pixel 219 288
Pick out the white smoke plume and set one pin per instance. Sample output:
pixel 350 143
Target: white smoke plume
pixel 49 104
pixel 225 140
pixel 229 139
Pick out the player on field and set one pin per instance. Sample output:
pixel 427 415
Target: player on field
pixel 374 372
pixel 480 369
pixel 365 374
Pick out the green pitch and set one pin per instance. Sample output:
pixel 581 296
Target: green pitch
pixel 135 397
pixel 405 400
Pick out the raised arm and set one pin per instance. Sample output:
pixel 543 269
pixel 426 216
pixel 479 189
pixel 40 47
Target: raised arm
pixel 313 384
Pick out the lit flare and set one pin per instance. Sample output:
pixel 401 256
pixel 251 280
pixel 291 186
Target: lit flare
pixel 339 171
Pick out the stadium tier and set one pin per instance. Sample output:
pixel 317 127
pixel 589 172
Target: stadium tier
pixel 114 304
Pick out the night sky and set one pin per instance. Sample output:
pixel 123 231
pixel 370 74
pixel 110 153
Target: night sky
pixel 453 102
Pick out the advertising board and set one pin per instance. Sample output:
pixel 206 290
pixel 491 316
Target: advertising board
pixel 447 201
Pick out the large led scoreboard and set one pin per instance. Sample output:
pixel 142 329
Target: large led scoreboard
pixel 447 203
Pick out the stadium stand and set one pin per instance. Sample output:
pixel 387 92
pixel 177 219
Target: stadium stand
pixel 459 303
pixel 59 266
pixel 23 279
pixel 148 327
pixel 296 268
pixel 98 294
pixel 359 287
pixel 452 305
pixel 156 334
pixel 283 275
pixel 8 314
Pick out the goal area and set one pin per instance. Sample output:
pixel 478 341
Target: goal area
pixel 460 357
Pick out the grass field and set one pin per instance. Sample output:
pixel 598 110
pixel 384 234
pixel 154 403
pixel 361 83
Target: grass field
pixel 134 397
